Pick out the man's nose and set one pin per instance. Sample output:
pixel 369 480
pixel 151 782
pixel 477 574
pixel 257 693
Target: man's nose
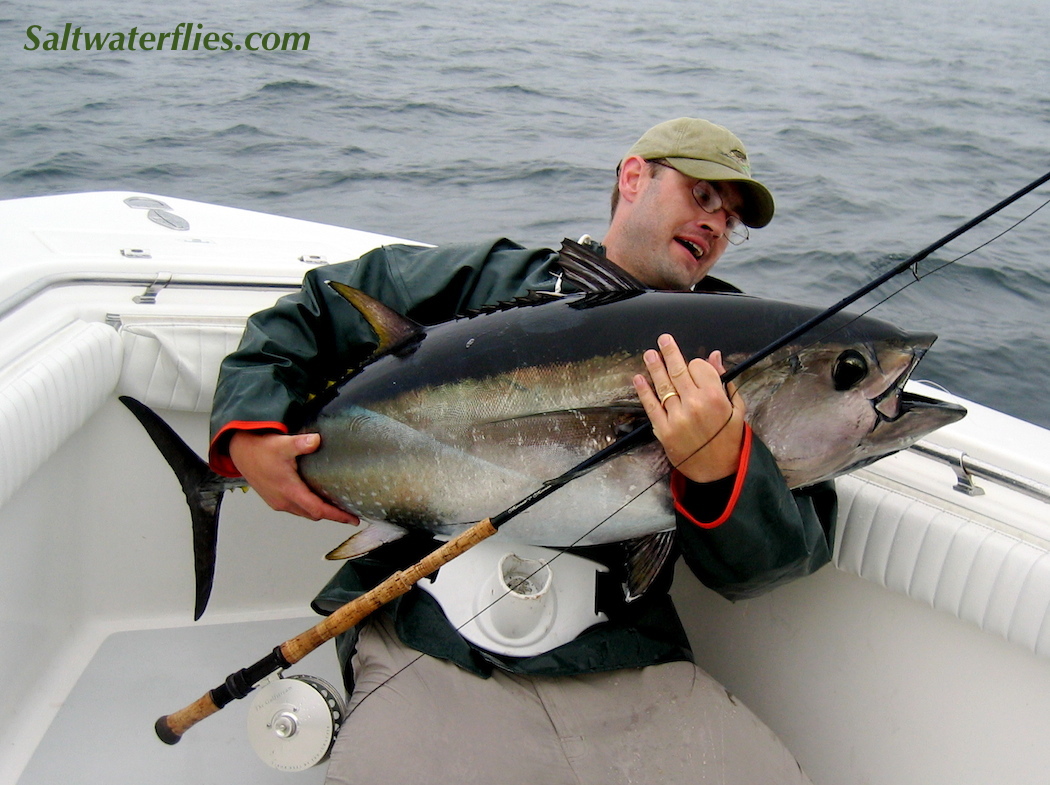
pixel 714 222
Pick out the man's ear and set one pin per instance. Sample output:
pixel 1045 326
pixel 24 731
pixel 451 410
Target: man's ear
pixel 633 171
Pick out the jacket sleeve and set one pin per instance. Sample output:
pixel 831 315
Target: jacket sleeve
pixel 293 349
pixel 764 536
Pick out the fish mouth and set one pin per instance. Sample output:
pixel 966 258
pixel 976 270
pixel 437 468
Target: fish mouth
pixel 896 403
pixel 913 403
pixel 890 405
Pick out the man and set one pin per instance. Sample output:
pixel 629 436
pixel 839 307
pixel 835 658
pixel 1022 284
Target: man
pixel 621 701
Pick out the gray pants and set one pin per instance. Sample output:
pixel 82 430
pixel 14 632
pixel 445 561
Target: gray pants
pixel 435 723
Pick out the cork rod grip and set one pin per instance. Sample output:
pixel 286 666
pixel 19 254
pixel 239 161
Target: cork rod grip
pixel 170 727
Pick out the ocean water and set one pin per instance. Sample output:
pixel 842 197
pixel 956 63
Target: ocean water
pixel 879 126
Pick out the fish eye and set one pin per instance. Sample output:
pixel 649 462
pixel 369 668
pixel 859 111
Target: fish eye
pixel 850 369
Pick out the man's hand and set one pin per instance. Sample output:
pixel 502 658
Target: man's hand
pixel 268 462
pixel 700 427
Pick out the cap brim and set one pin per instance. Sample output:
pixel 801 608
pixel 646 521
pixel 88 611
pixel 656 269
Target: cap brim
pixel 758 205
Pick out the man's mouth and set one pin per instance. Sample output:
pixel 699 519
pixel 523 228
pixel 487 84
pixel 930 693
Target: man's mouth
pixel 693 248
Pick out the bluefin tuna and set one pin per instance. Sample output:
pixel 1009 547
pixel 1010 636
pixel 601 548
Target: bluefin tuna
pixel 451 423
pixel 447 424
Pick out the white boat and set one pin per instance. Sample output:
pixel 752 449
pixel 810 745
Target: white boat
pixel 918 656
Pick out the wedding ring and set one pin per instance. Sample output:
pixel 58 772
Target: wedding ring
pixel 666 396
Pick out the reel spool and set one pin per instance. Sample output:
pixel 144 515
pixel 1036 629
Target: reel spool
pixel 293 722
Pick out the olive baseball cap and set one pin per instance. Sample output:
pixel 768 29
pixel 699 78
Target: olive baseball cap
pixel 706 151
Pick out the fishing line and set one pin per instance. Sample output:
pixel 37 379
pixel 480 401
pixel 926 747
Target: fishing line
pixel 973 250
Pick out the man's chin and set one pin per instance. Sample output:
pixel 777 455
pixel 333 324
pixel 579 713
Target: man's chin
pixel 684 279
pixel 687 270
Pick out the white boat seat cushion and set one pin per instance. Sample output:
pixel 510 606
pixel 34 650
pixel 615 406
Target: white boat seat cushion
pixel 50 393
pixel 980 574
pixel 173 363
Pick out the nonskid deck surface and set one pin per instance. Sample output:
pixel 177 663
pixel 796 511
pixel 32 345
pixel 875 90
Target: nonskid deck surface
pixel 103 733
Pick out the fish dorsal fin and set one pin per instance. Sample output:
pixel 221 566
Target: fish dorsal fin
pixel 532 298
pixel 644 559
pixel 393 330
pixel 591 271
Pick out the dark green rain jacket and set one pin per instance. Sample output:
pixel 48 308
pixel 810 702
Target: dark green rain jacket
pixel 741 536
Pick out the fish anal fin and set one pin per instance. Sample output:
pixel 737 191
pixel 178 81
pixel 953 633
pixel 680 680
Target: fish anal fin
pixel 393 330
pixel 371 536
pixel 645 558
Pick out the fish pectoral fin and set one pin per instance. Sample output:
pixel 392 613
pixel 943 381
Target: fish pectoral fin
pixel 598 424
pixel 644 559
pixel 374 534
pixel 394 331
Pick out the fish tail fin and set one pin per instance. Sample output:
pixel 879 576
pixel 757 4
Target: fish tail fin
pixel 203 489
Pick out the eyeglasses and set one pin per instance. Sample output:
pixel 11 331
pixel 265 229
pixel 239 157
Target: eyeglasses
pixel 710 201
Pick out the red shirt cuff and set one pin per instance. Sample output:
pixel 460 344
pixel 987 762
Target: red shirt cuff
pixel 679 480
pixel 218 452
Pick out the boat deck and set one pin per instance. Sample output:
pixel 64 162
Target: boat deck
pixel 103 732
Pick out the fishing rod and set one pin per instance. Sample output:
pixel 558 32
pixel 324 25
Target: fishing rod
pixel 874 284
pixel 171 727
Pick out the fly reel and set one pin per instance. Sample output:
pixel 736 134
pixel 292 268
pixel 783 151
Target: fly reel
pixel 293 722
